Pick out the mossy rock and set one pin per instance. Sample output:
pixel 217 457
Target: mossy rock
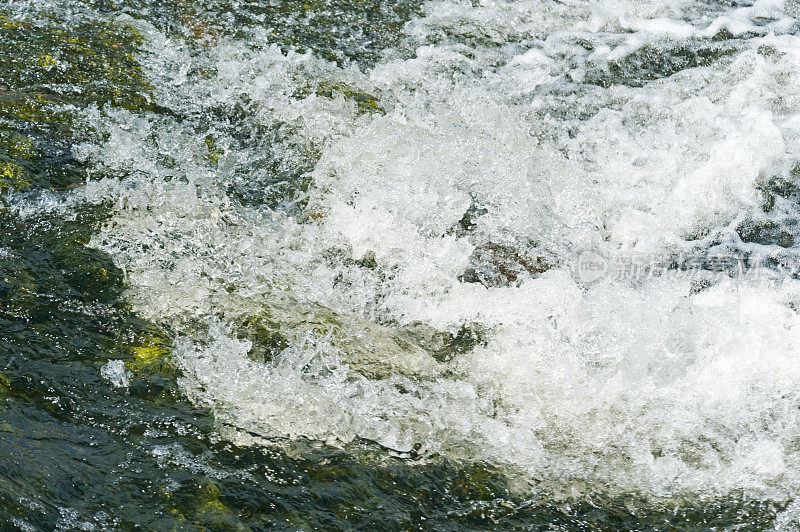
pixel 32 159
pixel 48 72
pixel 480 482
pixel 214 151
pixel 14 148
pixel 650 63
pixel 90 62
pixel 416 351
pixel 150 356
pixel 146 350
pixel 373 350
pixel 35 137
pixel 13 176
pixel 200 503
pixel 366 103
pixel 209 510
pixel 337 30
pixel 35 110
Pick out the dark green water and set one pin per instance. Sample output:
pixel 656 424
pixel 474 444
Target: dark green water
pixel 78 453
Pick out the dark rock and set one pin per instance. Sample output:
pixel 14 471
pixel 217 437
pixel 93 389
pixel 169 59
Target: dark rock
pixel 500 265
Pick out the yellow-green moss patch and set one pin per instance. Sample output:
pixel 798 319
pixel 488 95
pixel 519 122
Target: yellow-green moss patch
pixel 365 102
pixel 151 354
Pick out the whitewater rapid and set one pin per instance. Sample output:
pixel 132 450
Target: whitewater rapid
pixel 555 127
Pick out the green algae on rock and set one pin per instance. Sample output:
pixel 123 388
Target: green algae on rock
pixel 368 348
pixel 48 72
pixel 376 351
pixel 336 30
pixel 13 148
pixel 148 352
pixel 365 102
pixel 93 62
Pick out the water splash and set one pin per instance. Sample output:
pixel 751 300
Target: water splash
pixel 541 128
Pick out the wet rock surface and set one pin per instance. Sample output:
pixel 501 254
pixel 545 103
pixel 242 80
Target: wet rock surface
pixel 501 265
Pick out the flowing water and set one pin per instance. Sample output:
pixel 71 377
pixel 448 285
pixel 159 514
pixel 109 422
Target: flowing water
pixel 312 264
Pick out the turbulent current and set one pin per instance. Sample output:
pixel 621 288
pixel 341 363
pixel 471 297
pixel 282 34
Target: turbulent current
pixel 363 226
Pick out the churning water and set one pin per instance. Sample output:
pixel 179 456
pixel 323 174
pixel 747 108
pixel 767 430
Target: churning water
pixel 356 225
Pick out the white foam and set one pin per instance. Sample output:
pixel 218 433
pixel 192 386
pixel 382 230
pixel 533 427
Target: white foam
pixel 114 371
pixel 646 387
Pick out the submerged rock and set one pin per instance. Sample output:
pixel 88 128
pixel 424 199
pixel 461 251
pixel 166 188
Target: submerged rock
pixel 375 351
pixel 149 353
pixel 94 61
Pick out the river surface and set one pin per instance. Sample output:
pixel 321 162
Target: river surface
pixel 435 265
